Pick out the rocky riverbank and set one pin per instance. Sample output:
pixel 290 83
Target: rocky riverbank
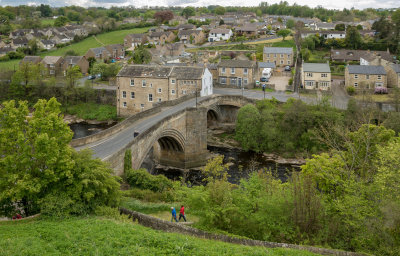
pixel 72 119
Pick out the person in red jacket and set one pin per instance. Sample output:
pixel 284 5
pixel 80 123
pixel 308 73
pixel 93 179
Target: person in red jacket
pixel 182 213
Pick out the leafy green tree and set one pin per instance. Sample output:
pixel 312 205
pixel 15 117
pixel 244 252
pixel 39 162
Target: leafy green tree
pixel 215 169
pixel 290 23
pixel 141 55
pixel 36 162
pixel 61 21
pixel 45 10
pixel 5 27
pixel 220 10
pixel 284 33
pixel 353 38
pixel 305 54
pixel 188 12
pixel 127 160
pixel 73 74
pixel 248 127
pixel 340 27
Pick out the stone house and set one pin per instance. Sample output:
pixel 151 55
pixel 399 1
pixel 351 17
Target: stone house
pixel 191 36
pixel 363 75
pixel 316 76
pixel 19 42
pixel 171 50
pixel 71 61
pixel 139 86
pixel 133 40
pixel 116 50
pixel 219 34
pixel 99 53
pixel 376 58
pixel 279 55
pixel 54 65
pixel 237 73
pixel 393 76
pixel 31 59
pixel 161 37
pixel 247 30
pixel 47 44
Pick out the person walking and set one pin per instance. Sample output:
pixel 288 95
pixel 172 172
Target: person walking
pixel 182 213
pixel 173 211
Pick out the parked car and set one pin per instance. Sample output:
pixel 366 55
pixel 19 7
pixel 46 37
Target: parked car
pixel 287 68
pixel 91 77
pixel 264 79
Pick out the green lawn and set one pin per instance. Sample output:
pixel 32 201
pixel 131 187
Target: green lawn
pixel 93 111
pixel 114 37
pixel 96 236
pixel 47 22
pixel 286 43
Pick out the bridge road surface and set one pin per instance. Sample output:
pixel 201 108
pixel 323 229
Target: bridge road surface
pixel 108 146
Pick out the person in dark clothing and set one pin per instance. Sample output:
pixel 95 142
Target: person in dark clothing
pixel 182 213
pixel 173 212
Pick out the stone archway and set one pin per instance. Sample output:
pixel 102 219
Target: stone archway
pixel 169 148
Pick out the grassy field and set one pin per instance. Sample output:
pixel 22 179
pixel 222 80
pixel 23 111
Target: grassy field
pixel 92 111
pixel 114 37
pixel 95 236
pixel 47 22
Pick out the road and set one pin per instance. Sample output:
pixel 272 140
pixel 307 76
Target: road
pixel 96 86
pixel 107 147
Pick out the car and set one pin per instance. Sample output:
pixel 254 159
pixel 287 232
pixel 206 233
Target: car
pixel 287 68
pixel 264 79
pixel 91 77
pixel 135 134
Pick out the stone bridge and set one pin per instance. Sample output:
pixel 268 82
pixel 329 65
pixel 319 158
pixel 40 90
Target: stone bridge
pixel 179 139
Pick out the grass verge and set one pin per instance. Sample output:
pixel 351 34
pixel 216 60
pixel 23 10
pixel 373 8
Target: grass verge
pixel 92 111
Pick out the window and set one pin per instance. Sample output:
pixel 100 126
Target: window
pixel 172 91
pixel 288 62
pixel 52 72
pixel 245 81
pixel 159 99
pixel 123 94
pixel 379 77
pixel 151 85
pixel 142 105
pixel 184 92
pixel 132 82
pixel 233 81
pixel 245 71
pixel 281 61
pixel 268 55
pixel 355 84
pixel 124 104
pixel 159 90
pixel 309 74
pixel 172 81
pixel 366 76
pixel 223 71
pixel 324 84
pixel 143 83
pixel 324 75
pixel 150 97
pixel 309 83
pixel 232 70
pixel 222 80
pixel 281 55
pixel 275 55
pixel 132 95
pixel 356 76
pixel 288 56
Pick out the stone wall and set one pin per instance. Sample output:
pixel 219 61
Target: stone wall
pixel 158 224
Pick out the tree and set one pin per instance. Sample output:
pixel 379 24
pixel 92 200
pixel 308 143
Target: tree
pixel 72 75
pixel 305 54
pixel 340 27
pixel 5 27
pixel 36 162
pixel 220 10
pixel 248 127
pixel 290 23
pixel 141 55
pixel 215 169
pixel 127 161
pixel 33 46
pixel 353 38
pixel 188 12
pixel 61 21
pixel 45 10
pixel 221 22
pixel 283 33
pixel 163 16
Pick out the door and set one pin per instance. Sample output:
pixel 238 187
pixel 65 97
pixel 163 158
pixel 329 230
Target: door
pixel 240 82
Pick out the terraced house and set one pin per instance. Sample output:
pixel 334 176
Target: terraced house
pixel 393 75
pixel 139 86
pixel 316 76
pixel 237 73
pixel 363 76
pixel 191 36
pixel 281 56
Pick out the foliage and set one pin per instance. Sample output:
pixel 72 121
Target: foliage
pixel 353 38
pixel 141 55
pixel 93 111
pixel 215 169
pixel 73 74
pixel 220 10
pixel 163 16
pixel 340 27
pixel 61 21
pixel 88 236
pixel 106 71
pixel 39 146
pixel 284 33
pixel 144 180
pixel 351 90
pixel 127 160
pixel 144 207
pixel 188 12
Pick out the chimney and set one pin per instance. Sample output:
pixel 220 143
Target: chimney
pixel 379 60
pixel 387 50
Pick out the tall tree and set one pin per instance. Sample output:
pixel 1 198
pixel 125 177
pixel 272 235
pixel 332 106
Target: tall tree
pixel 283 33
pixel 188 12
pixel 163 16
pixel 353 38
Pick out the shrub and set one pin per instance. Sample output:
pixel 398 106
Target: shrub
pixel 290 81
pixel 144 180
pixel 380 90
pixel 351 90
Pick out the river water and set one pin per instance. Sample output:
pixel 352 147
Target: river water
pixel 84 129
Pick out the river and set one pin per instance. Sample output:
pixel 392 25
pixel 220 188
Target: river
pixel 84 129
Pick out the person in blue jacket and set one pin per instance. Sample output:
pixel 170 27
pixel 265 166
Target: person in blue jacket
pixel 173 211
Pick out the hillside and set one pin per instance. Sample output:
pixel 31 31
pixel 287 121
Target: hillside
pixel 95 236
pixel 114 37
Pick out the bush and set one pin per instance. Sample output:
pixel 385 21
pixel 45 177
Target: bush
pixel 290 81
pixel 351 90
pixel 150 196
pixel 60 205
pixel 144 180
pixel 380 90
pixel 109 212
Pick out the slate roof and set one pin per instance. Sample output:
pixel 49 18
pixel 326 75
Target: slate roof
pixel 188 32
pixel 99 50
pixel 72 59
pixel 21 40
pixel 219 31
pixel 278 50
pixel 46 42
pixel 136 36
pixel 187 73
pixel 237 64
pixel 32 59
pixel 266 65
pixel 367 70
pixel 145 71
pixel 316 67
pixel 51 59
pixel 396 68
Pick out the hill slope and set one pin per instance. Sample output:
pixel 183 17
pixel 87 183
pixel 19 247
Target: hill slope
pixel 94 236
